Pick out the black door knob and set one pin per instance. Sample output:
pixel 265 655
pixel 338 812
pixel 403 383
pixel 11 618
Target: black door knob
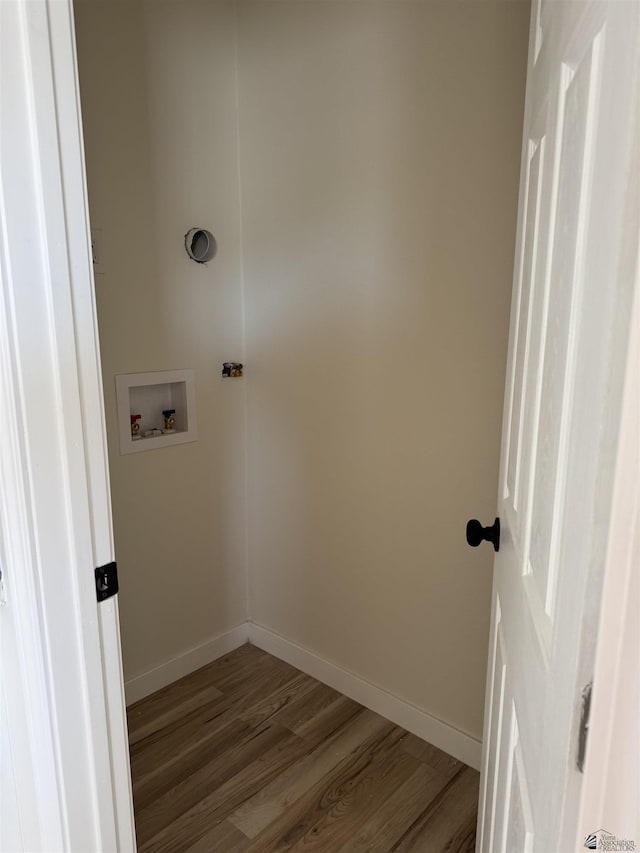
pixel 476 533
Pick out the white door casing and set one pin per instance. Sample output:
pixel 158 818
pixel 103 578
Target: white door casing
pixel 574 280
pixel 65 751
pixel 611 790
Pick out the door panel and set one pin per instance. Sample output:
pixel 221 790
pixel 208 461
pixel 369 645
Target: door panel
pixel 519 835
pixel 557 358
pixel 526 295
pixel 493 727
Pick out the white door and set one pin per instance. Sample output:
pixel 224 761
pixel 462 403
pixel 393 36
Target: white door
pixel 573 286
pixel 64 770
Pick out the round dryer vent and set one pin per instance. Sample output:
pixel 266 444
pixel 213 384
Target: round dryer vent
pixel 200 244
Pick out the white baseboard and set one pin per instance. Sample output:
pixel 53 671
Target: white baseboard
pixel 458 744
pixel 171 670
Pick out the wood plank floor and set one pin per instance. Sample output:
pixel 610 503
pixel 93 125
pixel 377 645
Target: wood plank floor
pixel 249 755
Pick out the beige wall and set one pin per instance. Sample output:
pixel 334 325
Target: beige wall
pixel 159 104
pixel 379 157
pixel 379 154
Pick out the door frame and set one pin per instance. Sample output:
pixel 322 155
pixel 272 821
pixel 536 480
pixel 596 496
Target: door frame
pixel 611 783
pixel 56 509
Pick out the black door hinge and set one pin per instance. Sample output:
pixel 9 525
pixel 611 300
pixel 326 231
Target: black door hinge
pixel 584 725
pixel 106 581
